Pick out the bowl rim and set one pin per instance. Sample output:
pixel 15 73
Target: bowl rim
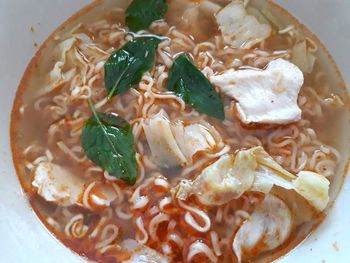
pixel 18 99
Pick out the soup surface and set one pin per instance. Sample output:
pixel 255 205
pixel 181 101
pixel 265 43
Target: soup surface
pixel 181 131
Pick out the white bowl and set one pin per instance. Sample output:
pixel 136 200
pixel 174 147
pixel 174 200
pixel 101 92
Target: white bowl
pixel 24 239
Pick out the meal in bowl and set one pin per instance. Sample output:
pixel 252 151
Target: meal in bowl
pixel 180 131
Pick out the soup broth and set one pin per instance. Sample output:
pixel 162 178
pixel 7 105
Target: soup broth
pixel 52 108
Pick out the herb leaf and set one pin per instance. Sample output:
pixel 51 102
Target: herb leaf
pixel 108 141
pixel 125 67
pixel 187 82
pixel 141 13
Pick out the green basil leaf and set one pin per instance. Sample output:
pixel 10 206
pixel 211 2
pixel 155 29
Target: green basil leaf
pixel 141 13
pixel 125 67
pixel 108 141
pixel 187 82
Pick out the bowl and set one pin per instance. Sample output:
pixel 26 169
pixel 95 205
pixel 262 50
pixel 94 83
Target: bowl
pixel 25 24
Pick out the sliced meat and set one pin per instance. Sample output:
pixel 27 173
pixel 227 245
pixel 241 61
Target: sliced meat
pixel 174 144
pixel 192 138
pixel 314 188
pixel 165 150
pixel 264 96
pixel 267 228
pixel 58 185
pixel 226 179
pixel 303 58
pixel 251 170
pixel 238 28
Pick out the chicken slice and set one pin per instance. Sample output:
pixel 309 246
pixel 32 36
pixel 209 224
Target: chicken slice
pixel 226 179
pixel 141 253
pixel 267 228
pixel 238 28
pixel 165 150
pixel 192 138
pixel 251 170
pixel 174 144
pixel 303 58
pixel 264 96
pixel 56 184
pixel 313 187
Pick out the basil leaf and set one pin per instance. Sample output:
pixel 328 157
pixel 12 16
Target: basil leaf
pixel 125 67
pixel 141 13
pixel 187 82
pixel 108 141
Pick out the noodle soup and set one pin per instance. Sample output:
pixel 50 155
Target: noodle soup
pixel 205 131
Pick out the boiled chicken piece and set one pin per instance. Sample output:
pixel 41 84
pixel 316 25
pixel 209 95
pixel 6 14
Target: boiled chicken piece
pixel 303 58
pixel 68 58
pixel 251 170
pixel 56 184
pixel 238 28
pixel 226 179
pixel 300 208
pixel 71 56
pixel 141 253
pixel 267 228
pixel 313 187
pixel 192 138
pixel 161 140
pixel 174 144
pixel 264 96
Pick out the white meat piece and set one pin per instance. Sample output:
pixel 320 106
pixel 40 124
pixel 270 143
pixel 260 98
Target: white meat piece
pixel 165 150
pixel 311 186
pixel 251 170
pixel 264 96
pixel 173 144
pixel 267 228
pixel 56 184
pixel 142 254
pixel 226 179
pixel 314 188
pixel 192 138
pixel 70 62
pixel 232 175
pixel 300 208
pixel 238 28
pixel 303 58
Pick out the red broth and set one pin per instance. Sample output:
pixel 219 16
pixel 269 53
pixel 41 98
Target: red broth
pixel 48 117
